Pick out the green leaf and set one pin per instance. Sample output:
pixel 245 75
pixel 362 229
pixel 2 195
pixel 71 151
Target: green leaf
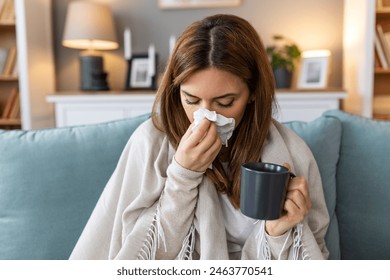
pixel 285 55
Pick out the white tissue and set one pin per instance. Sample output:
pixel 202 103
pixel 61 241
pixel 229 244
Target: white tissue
pixel 225 126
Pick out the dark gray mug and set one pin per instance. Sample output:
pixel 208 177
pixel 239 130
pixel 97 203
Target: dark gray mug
pixel 263 189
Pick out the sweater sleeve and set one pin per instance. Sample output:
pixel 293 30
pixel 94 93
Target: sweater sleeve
pixel 177 207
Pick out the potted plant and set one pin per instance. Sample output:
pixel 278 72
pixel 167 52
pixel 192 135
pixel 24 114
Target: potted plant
pixel 283 56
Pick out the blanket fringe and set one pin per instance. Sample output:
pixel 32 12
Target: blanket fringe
pixel 188 245
pixel 297 244
pixel 156 236
pixel 284 245
pixel 152 242
pixel 263 250
pixel 160 230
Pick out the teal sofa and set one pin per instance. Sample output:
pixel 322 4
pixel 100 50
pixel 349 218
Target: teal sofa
pixel 51 179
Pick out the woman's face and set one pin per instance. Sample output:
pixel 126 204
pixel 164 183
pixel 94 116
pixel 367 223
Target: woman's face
pixel 215 90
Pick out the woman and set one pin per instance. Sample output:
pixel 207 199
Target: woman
pixel 175 191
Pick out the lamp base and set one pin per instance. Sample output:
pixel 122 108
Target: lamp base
pixel 92 75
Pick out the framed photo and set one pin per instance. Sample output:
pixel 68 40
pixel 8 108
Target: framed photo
pixel 186 4
pixel 138 77
pixel 314 72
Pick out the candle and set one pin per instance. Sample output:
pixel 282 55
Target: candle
pixel 127 43
pixel 172 43
pixel 151 58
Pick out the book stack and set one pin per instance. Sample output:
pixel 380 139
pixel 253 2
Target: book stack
pixel 12 106
pixel 382 47
pixel 8 62
pixel 7 12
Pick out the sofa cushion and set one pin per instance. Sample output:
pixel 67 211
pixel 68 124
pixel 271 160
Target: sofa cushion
pixel 323 137
pixel 363 187
pixel 44 209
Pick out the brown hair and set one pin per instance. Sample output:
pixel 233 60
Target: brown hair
pixel 228 43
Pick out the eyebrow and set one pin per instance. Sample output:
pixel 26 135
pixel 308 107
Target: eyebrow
pixel 218 97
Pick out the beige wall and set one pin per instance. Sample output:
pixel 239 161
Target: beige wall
pixel 312 24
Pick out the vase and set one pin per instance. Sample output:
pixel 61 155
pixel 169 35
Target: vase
pixel 282 77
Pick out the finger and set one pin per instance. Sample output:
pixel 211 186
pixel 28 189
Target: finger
pixel 287 165
pixel 207 157
pixel 192 137
pixel 188 132
pixel 213 150
pixel 300 184
pixel 298 199
pixel 210 145
pixel 294 213
pixel 210 137
pixel 199 133
pixel 290 207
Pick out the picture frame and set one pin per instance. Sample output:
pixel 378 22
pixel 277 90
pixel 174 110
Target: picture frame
pixel 314 72
pixel 192 4
pixel 137 77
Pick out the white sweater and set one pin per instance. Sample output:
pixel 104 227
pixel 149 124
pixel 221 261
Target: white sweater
pixel 152 208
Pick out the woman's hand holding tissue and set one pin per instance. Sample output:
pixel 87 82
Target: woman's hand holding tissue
pixel 198 149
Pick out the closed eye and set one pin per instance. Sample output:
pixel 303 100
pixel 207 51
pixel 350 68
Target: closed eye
pixel 224 101
pixel 191 102
pixel 227 104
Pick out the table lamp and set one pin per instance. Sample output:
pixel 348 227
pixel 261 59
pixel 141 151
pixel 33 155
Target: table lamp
pixel 90 26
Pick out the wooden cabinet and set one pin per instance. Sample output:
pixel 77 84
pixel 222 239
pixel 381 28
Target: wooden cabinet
pixel 76 108
pixel 306 105
pixel 32 36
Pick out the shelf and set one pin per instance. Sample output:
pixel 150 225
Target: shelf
pixel 383 12
pixel 381 117
pixel 7 25
pixel 382 71
pixel 8 79
pixel 381 107
pixel 10 122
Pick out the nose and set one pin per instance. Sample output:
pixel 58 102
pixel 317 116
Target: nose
pixel 206 105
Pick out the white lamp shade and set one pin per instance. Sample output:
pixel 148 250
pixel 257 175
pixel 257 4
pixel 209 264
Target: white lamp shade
pixel 89 26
